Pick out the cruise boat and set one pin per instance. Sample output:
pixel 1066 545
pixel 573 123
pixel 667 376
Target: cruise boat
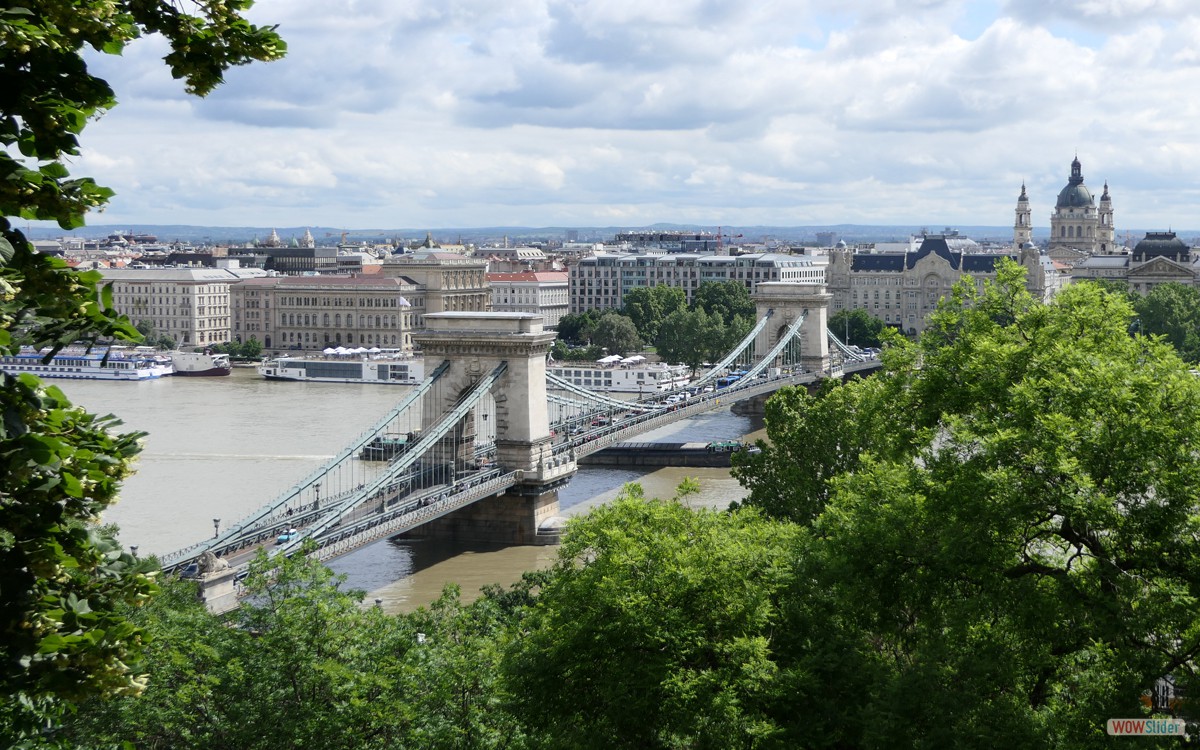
pixel 349 366
pixel 200 364
pixel 617 374
pixel 97 363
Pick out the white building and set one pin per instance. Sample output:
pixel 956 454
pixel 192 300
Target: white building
pixel 601 281
pixel 191 305
pixel 540 292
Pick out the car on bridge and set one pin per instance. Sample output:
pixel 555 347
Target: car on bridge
pixel 287 536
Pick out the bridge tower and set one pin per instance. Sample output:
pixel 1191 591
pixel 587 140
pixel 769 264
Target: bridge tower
pixel 475 343
pixel 789 300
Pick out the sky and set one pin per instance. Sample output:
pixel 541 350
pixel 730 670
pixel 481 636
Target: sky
pixel 474 113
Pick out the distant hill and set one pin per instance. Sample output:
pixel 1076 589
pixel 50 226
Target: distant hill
pixel 851 233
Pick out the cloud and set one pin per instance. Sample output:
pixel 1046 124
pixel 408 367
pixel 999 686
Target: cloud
pixel 1101 15
pixel 534 112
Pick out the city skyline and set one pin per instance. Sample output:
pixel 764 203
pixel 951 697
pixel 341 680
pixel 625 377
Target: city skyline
pixel 551 113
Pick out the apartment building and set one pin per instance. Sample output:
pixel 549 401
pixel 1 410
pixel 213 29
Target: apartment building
pixel 540 292
pixel 191 305
pixel 602 280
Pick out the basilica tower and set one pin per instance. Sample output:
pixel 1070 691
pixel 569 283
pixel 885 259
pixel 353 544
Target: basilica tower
pixel 1105 233
pixel 1023 226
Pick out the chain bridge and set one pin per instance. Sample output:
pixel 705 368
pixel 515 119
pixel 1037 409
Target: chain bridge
pixel 479 449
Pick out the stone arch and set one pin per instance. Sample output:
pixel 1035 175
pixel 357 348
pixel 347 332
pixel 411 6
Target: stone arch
pixel 787 301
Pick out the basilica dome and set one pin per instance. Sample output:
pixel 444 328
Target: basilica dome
pixel 1075 194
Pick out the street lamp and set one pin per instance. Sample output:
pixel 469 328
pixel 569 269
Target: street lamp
pixel 133 550
pixel 317 502
pixel 216 527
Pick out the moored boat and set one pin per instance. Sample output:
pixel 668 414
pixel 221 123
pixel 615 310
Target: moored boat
pixel 200 364
pixel 76 363
pixel 383 366
pixel 615 374
pixel 386 447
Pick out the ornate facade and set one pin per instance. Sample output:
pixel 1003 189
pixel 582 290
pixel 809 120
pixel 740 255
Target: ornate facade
pixel 903 288
pixel 1077 223
pixel 191 305
pixel 315 312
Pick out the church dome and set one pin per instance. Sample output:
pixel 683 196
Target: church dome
pixel 1075 194
pixel 1160 245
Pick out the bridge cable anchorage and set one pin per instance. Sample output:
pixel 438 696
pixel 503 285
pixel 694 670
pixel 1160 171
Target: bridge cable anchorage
pixel 844 349
pixel 428 441
pixel 738 350
pixel 227 540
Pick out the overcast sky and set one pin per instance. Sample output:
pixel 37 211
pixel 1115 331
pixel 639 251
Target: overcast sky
pixel 466 113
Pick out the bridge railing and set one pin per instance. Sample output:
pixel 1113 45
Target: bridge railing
pixel 603 437
pixel 342 540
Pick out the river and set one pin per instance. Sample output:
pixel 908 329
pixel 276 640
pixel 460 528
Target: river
pixel 218 448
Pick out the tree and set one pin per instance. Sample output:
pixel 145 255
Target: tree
pixel 857 327
pixel 1010 543
pixel 654 629
pixel 679 337
pixel 561 353
pixel 616 333
pixel 724 299
pixel 251 348
pixel 647 307
pixel 1172 311
pixel 305 665
pixel 151 336
pixel 577 328
pixel 63 581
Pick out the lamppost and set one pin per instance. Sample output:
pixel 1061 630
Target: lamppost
pixel 133 550
pixel 317 502
pixel 216 527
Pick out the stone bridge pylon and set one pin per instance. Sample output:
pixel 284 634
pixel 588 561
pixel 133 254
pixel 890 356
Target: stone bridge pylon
pixel 475 344
pixel 789 301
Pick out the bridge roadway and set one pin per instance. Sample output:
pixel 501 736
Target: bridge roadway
pixel 397 508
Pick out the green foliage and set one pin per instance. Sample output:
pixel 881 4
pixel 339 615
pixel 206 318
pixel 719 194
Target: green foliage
pixel 303 664
pixel 250 349
pixel 152 337
pixel 577 328
pixel 1173 312
pixel 50 96
pixel 616 333
pixel 693 337
pixel 561 352
pixel 654 630
pixel 63 582
pixel 1009 544
pixel 724 299
pixel 857 327
pixel 649 306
